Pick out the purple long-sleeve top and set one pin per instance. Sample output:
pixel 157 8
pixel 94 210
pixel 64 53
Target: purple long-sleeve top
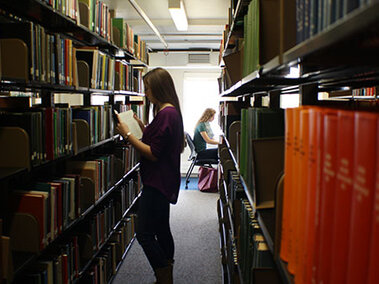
pixel 164 135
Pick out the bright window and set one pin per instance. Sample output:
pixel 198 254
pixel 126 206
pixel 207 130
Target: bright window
pixel 200 91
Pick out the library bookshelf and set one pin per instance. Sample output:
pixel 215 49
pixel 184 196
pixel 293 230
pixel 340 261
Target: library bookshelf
pixel 292 176
pixel 69 183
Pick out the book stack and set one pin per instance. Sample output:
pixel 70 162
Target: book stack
pixel 336 188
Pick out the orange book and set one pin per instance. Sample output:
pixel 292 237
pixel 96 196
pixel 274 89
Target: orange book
pixel 342 198
pixel 373 271
pixel 311 193
pixel 301 192
pixel 292 241
pixel 328 183
pixel 363 196
pixel 317 195
pixel 287 183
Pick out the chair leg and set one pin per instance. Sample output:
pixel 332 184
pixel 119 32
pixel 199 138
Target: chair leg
pixel 189 173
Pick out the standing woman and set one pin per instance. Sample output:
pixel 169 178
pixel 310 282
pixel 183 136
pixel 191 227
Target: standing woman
pixel 160 148
pixel 204 135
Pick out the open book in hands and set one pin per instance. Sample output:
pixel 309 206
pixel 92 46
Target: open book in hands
pixel 128 118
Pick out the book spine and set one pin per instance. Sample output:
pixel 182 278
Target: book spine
pixel 365 147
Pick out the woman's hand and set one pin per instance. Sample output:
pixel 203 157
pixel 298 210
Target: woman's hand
pixel 136 116
pixel 140 123
pixel 122 128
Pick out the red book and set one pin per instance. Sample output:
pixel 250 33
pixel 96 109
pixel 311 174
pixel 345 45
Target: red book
pixel 313 258
pixel 373 267
pixel 302 183
pixel 33 204
pixel 117 74
pixel 287 183
pixel 342 198
pixel 363 196
pixel 65 276
pixel 310 198
pixel 293 193
pixel 328 183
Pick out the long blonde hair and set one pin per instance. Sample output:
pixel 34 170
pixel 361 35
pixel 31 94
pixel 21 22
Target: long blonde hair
pixel 206 116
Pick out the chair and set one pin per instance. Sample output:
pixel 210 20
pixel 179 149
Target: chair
pixel 193 157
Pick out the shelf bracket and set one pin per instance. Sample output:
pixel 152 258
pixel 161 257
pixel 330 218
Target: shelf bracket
pixel 309 94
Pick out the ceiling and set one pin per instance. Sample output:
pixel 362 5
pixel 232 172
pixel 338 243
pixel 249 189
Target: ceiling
pixel 206 22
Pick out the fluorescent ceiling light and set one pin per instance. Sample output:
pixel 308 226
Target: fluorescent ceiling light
pixel 148 21
pixel 178 14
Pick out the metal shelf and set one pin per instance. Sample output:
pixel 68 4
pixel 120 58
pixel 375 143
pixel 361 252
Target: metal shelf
pixel 348 31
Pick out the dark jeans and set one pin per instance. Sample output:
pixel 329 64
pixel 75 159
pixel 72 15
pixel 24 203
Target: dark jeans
pixel 208 154
pixel 153 227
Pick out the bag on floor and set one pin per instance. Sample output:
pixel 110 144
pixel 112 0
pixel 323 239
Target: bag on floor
pixel 207 179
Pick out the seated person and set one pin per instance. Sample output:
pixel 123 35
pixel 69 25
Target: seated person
pixel 204 135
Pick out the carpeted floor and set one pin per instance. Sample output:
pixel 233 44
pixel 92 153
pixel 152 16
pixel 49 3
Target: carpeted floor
pixel 194 226
pixel 192 185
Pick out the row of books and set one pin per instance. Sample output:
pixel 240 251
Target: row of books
pixel 312 17
pixel 49 131
pixel 32 54
pixel 67 263
pixel 330 210
pixel 227 244
pixel 126 39
pixel 38 55
pixel 97 68
pixel 59 131
pixel 258 124
pixel 100 71
pixel 252 248
pixel 355 92
pixel 261 36
pixel 105 265
pixel 230 111
pixel 129 192
pixel 98 18
pixel 55 204
pixel 69 8
pixel 102 223
pixel 99 120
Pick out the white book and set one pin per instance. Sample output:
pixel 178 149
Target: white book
pixel 127 117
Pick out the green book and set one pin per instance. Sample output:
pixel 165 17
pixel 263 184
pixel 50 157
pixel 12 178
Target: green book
pixel 243 143
pixel 120 24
